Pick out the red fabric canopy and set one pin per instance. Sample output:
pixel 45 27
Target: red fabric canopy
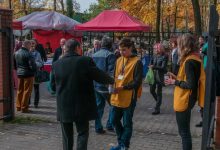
pixel 113 20
pixel 17 25
pixel 53 37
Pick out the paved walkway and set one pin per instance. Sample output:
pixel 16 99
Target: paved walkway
pixel 150 132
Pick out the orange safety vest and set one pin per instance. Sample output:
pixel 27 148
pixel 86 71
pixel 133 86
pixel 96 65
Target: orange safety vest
pixel 124 97
pixel 181 96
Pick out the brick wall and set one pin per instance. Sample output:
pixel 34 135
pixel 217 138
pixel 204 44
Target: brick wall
pixel 6 107
pixel 217 130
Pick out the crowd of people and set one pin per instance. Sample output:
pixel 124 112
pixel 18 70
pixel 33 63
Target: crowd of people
pixel 113 73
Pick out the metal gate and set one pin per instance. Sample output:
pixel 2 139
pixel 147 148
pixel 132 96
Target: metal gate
pixel 210 95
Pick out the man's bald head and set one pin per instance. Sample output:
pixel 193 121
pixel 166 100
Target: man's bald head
pixel 62 42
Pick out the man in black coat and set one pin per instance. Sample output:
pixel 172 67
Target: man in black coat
pixel 74 76
pixel 58 51
pixel 26 68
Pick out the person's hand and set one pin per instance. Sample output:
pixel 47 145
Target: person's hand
pixel 171 75
pixel 169 81
pixel 151 66
pixel 118 89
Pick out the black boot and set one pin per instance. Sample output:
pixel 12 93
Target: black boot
pixel 156 112
pixel 199 124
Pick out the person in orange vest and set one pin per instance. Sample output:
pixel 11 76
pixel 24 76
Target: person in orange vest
pixel 128 79
pixel 189 86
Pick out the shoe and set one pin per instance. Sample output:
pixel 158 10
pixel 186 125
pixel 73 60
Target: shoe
pixel 26 111
pixel 35 106
pixel 100 131
pixel 156 112
pixel 18 109
pixel 199 124
pixel 110 129
pixel 119 147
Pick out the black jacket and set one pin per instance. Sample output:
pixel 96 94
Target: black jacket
pixel 74 77
pixel 42 52
pixel 159 63
pixel 24 63
pixel 57 54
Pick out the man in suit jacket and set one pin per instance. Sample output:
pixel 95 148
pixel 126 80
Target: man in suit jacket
pixel 58 51
pixel 74 76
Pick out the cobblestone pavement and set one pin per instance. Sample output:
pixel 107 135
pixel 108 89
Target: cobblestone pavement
pixel 150 132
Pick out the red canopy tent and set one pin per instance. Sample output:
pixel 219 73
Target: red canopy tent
pixel 17 25
pixel 113 20
pixel 48 26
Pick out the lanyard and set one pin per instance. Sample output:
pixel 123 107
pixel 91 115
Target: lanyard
pixel 123 67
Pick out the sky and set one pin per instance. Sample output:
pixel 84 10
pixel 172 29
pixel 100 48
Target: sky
pixel 84 4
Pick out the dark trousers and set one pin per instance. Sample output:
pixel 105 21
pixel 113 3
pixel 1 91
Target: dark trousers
pixel 157 96
pixel 100 102
pixel 82 138
pixel 124 132
pixel 36 94
pixel 183 122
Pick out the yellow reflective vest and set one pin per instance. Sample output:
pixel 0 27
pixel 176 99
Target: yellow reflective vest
pixel 181 96
pixel 124 97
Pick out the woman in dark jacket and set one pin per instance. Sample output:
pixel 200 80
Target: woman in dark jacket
pixel 186 86
pixel 159 66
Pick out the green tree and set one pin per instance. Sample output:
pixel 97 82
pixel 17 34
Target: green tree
pixel 69 8
pixel 95 9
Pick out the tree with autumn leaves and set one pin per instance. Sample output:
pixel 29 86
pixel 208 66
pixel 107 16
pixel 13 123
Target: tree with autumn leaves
pixel 172 15
pixel 162 15
pixel 24 7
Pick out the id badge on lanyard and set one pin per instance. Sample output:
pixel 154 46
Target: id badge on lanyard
pixel 121 75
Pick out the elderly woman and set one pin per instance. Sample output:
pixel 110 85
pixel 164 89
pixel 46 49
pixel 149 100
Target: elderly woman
pixel 159 65
pixel 189 86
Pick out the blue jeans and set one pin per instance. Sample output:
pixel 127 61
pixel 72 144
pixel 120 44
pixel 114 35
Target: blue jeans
pixel 100 102
pixel 124 132
pixel 183 122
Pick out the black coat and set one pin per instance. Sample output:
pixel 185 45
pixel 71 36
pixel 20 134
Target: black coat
pixel 57 54
pixel 159 63
pixel 42 52
pixel 24 63
pixel 74 77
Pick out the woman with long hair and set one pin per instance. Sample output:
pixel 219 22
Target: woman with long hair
pixel 158 64
pixel 187 86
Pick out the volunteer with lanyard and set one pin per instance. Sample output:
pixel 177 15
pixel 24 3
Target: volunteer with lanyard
pixel 189 86
pixel 128 78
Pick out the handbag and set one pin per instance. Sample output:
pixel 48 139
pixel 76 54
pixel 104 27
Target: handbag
pixel 42 76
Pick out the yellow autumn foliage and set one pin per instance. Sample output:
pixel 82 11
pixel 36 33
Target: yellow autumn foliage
pixel 145 10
